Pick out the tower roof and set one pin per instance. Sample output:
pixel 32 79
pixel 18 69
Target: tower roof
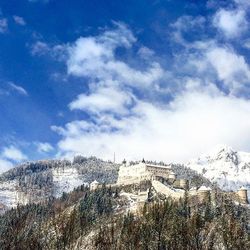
pixel 94 182
pixel 204 188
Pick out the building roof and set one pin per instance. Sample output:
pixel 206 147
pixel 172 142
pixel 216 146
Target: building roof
pixel 204 188
pixel 158 166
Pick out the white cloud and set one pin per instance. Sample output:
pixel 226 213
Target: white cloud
pixel 3 25
pixel 39 48
pixel 13 153
pixel 5 165
pixel 232 23
pixel 145 52
pixel 19 20
pixel 246 44
pixel 242 3
pixel 74 128
pixel 103 99
pixel 215 63
pixel 94 57
pixel 193 123
pixel 18 89
pixel 185 25
pixel 44 147
pixel 148 124
pixel 57 52
pixel 230 67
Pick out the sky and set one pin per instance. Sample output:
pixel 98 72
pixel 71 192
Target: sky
pixel 155 79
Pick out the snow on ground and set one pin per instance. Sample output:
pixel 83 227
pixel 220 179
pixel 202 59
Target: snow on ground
pixel 65 180
pixel 8 194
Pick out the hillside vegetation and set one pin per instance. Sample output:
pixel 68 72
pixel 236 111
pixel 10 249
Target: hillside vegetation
pixel 100 220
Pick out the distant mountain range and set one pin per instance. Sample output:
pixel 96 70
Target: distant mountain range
pixel 226 167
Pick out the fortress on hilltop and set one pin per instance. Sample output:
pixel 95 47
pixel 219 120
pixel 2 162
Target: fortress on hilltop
pixel 165 181
pixel 143 171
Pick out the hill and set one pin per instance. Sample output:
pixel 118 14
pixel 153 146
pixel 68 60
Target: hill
pixel 40 180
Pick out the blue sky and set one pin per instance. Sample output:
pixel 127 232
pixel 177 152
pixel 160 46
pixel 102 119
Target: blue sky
pixel 165 80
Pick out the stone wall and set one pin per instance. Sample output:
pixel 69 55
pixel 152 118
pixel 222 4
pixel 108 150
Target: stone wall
pixel 167 191
pixel 139 172
pixel 133 174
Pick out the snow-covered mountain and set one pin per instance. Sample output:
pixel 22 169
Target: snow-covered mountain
pixel 40 180
pixel 228 168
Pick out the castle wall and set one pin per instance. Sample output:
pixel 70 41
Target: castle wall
pixel 133 174
pixel 139 172
pixel 162 171
pixel 184 183
pixel 204 195
pixel 162 176
pixel 242 195
pixel 163 189
pixel 192 192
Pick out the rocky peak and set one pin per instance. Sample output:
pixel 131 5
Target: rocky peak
pixel 224 153
pixel 225 166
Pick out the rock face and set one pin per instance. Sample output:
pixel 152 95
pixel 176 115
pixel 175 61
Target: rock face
pixel 228 168
pixel 40 180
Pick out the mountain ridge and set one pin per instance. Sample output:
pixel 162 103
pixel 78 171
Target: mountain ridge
pixel 228 168
pixel 39 180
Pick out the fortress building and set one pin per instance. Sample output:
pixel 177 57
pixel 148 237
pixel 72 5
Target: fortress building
pixel 242 195
pixel 94 185
pixel 164 181
pixel 204 193
pixel 143 171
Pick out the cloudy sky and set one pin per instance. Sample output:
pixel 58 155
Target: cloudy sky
pixel 159 79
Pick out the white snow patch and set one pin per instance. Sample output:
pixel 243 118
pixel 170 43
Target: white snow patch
pixel 65 180
pixel 8 193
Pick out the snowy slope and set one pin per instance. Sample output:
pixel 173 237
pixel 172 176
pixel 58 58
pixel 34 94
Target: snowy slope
pixel 228 168
pixel 8 194
pixel 39 180
pixel 65 180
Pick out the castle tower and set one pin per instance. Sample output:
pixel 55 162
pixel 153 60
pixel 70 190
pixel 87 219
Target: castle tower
pixel 204 193
pixel 124 163
pixel 213 197
pixel 94 185
pixel 242 194
pixel 172 176
pixel 184 183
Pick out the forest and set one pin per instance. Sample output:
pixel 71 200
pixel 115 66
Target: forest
pixel 100 219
